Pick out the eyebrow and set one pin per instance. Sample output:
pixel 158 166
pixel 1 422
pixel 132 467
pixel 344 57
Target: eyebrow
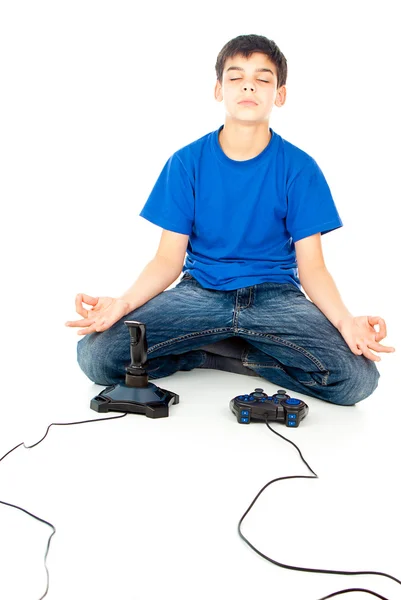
pixel 262 69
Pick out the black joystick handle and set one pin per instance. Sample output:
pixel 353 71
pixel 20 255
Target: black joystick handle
pixel 136 375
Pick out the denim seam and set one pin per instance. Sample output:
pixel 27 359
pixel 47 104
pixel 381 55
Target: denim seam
pixel 250 299
pixel 252 365
pixel 236 312
pixel 238 308
pixel 189 336
pixel 263 366
pixel 315 360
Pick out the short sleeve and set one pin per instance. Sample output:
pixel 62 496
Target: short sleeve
pixel 310 205
pixel 171 202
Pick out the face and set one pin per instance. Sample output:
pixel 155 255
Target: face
pixel 253 78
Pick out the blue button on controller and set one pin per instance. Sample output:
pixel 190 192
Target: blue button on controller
pixel 293 401
pixel 292 416
pixel 245 412
pixel 292 423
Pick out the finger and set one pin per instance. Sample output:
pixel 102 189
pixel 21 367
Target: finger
pixel 94 328
pixel 380 348
pixel 381 334
pixel 366 352
pixel 356 345
pixel 79 299
pixel 89 299
pixel 78 305
pixel 80 323
pixel 85 331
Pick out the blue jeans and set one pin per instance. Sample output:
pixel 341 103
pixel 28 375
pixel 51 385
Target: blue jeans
pixel 269 330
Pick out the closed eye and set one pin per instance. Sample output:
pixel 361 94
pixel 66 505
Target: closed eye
pixel 264 81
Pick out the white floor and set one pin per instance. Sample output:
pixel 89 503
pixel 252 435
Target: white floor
pixel 147 509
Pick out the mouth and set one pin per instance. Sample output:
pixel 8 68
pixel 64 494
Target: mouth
pixel 247 103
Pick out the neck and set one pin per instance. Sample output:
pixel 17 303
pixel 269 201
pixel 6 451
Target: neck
pixel 243 141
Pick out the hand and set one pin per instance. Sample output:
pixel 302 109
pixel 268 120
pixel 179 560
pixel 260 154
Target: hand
pixel 362 337
pixel 105 312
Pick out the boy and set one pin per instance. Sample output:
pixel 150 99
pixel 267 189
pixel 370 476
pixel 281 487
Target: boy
pixel 242 212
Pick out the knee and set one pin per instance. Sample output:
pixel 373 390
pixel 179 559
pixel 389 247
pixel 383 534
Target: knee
pixel 88 356
pixel 93 357
pixel 362 378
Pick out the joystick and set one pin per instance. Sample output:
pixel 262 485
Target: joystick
pixel 137 395
pixel 259 406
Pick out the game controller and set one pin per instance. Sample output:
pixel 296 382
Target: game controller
pixel 259 406
pixel 137 394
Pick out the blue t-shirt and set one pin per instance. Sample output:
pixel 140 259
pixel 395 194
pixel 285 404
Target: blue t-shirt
pixel 242 217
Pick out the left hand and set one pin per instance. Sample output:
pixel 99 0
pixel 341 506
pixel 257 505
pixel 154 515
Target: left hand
pixel 362 337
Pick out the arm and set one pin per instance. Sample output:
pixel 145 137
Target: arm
pixel 358 332
pixel 317 281
pixel 161 271
pixel 158 274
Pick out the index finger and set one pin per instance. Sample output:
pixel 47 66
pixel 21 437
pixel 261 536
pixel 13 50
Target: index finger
pixel 381 334
pixel 84 298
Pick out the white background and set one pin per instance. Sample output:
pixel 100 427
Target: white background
pixel 95 96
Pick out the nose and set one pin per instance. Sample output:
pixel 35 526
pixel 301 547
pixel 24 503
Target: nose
pixel 248 86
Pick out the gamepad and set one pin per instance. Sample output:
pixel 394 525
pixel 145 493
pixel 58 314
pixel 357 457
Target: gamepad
pixel 261 407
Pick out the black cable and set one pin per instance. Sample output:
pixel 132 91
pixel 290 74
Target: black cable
pixel 48 541
pixel 31 514
pixel 315 476
pixel 353 590
pixel 310 570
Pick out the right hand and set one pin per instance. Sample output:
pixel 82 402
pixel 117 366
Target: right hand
pixel 104 313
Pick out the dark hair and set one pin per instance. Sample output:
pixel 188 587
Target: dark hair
pixel 245 45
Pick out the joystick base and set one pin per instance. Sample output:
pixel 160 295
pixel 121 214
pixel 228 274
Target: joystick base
pixel 152 401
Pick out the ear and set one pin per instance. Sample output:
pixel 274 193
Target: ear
pixel 281 96
pixel 218 92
